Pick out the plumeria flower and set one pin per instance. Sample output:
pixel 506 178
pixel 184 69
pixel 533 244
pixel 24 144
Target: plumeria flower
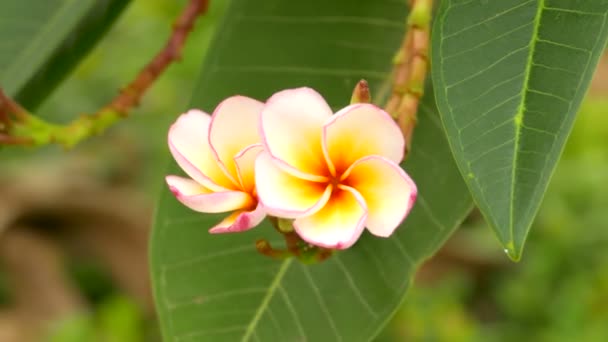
pixel 333 174
pixel 218 152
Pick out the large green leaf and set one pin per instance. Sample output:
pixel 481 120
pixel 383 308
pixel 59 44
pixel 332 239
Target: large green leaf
pixel 42 41
pixel 217 287
pixel 509 77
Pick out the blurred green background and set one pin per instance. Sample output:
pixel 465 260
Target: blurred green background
pixel 468 292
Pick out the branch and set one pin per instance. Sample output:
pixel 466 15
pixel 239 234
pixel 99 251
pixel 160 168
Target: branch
pixel 130 96
pixel 30 130
pixel 9 108
pixel 409 73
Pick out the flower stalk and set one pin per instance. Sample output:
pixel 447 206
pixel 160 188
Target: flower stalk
pixel 296 247
pixel 26 129
pixel 410 69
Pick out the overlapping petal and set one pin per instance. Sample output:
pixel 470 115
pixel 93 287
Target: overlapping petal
pixel 285 195
pixel 388 191
pixel 358 131
pixel 189 145
pixel 199 198
pixel 240 220
pixel 338 224
pixel 234 126
pixel 290 158
pixel 291 125
pixel 245 166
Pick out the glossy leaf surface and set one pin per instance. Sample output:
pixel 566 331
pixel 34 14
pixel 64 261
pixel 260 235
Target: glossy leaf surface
pixel 510 76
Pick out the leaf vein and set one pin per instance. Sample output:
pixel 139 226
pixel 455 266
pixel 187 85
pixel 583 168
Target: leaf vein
pixel 354 288
pixel 487 20
pixel 276 284
pixel 493 64
pixel 321 302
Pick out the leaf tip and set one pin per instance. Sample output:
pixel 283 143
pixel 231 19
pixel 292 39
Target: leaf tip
pixel 514 253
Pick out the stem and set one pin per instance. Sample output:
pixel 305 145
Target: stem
pixel 296 247
pixel 40 132
pixel 266 249
pixel 8 107
pixel 409 72
pixel 291 238
pixel 130 96
pixel 6 139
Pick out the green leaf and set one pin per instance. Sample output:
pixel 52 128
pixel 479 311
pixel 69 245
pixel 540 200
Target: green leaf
pixel 510 76
pixel 217 287
pixel 42 41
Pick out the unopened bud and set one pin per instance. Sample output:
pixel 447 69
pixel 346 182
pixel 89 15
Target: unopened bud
pixel 285 225
pixel 361 93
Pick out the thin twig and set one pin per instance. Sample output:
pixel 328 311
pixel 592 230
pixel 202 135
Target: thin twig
pixel 130 96
pixel 8 107
pixel 31 130
pixel 6 139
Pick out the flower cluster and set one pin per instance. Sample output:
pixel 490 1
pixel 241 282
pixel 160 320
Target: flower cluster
pixel 332 174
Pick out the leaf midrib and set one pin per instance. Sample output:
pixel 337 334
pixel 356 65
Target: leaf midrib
pixel 518 122
pixel 276 282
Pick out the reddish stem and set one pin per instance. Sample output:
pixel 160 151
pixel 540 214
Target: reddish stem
pixel 130 96
pixel 8 107
pixel 6 139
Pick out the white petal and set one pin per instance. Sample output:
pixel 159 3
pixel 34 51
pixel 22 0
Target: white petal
pixel 291 124
pixel 240 221
pixel 234 126
pixel 198 198
pixel 285 195
pixel 189 146
pixel 388 191
pixel 245 166
pixel 358 131
pixel 338 224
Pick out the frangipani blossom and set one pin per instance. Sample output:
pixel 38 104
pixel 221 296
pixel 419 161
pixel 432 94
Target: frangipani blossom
pixel 333 174
pixel 218 152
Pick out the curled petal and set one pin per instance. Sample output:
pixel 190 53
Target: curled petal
pixel 358 131
pixel 291 124
pixel 338 224
pixel 234 126
pixel 245 166
pixel 190 147
pixel 388 191
pixel 199 198
pixel 284 195
pixel 239 221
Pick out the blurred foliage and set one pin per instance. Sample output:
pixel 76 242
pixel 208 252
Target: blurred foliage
pixel 559 291
pixel 112 64
pixel 139 143
pixel 116 319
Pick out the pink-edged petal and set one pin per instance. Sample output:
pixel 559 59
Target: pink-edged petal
pixel 338 224
pixel 388 191
pixel 190 147
pixel 245 166
pixel 291 127
pixel 234 126
pixel 240 221
pixel 198 198
pixel 284 195
pixel 361 130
